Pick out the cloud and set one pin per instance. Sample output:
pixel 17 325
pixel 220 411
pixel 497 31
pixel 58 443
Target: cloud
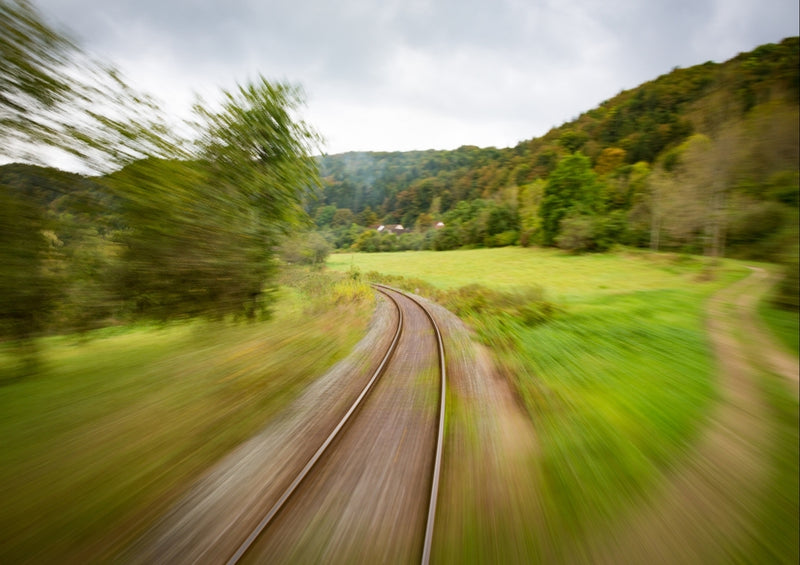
pixel 420 73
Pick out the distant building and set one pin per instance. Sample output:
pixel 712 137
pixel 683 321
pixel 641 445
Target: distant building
pixel 396 229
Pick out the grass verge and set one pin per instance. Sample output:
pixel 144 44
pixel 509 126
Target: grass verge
pixel 783 324
pixel 614 368
pixel 114 428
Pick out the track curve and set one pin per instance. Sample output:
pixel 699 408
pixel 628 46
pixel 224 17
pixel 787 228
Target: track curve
pixel 408 368
pixel 437 469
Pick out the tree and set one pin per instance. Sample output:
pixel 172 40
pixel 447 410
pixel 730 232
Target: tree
pixel 571 189
pixel 27 289
pixel 447 238
pixel 609 159
pixel 254 150
pixel 342 217
pixel 54 94
pixel 367 217
pixel 324 216
pixel 677 211
pixel 424 222
pixel 706 170
pixel 576 233
pixel 500 223
pixel 573 140
pixel 199 234
pixel 308 248
pixel 530 201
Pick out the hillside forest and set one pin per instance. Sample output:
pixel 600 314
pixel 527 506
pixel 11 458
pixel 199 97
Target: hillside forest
pixel 699 160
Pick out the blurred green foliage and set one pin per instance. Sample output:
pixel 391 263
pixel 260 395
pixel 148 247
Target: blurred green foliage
pixel 54 94
pixel 117 426
pixel 160 238
pixel 28 289
pixel 305 248
pixel 610 356
pixel 199 235
pixel 174 228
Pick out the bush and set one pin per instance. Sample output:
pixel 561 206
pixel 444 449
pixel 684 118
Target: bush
pixel 504 239
pixel 307 249
pixel 322 290
pixel 527 305
pixel 447 238
pixel 368 241
pixel 349 291
pixel 577 234
pixel 411 241
pixel 483 305
pixel 609 230
pixel 756 222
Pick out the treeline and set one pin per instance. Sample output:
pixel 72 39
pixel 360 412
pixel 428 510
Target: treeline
pixel 170 227
pixel 701 160
pixel 159 239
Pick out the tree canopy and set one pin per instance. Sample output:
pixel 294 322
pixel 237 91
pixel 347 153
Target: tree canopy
pixel 53 94
pixel 199 234
pixel 570 190
pixel 175 228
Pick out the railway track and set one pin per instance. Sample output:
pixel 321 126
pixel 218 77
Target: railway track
pixel 334 439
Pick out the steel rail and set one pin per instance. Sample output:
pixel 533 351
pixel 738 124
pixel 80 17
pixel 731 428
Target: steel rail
pixel 437 466
pixel 247 543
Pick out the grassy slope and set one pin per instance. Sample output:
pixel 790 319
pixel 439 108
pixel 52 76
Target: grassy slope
pixel 617 384
pixel 784 325
pixel 114 428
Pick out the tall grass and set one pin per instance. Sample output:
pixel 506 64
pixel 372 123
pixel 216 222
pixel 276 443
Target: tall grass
pixel 776 536
pixel 617 389
pixel 617 375
pixel 116 426
pixel 784 325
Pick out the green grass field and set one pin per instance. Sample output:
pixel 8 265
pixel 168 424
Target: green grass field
pixel 618 383
pixel 114 428
pixel 783 324
pixel 618 379
pixel 564 277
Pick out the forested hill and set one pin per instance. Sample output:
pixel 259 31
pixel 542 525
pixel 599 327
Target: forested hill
pixel 738 118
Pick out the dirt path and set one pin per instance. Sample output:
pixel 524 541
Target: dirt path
pixel 704 511
pixel 762 345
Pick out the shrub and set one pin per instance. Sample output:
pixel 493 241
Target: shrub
pixel 483 305
pixel 349 291
pixel 577 234
pixel 447 238
pixel 306 249
pixel 504 239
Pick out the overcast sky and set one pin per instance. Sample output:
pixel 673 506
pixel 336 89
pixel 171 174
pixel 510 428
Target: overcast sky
pixel 387 75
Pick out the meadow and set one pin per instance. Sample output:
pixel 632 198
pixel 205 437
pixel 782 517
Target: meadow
pixel 117 423
pixel 565 277
pixel 618 378
pixel 612 364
